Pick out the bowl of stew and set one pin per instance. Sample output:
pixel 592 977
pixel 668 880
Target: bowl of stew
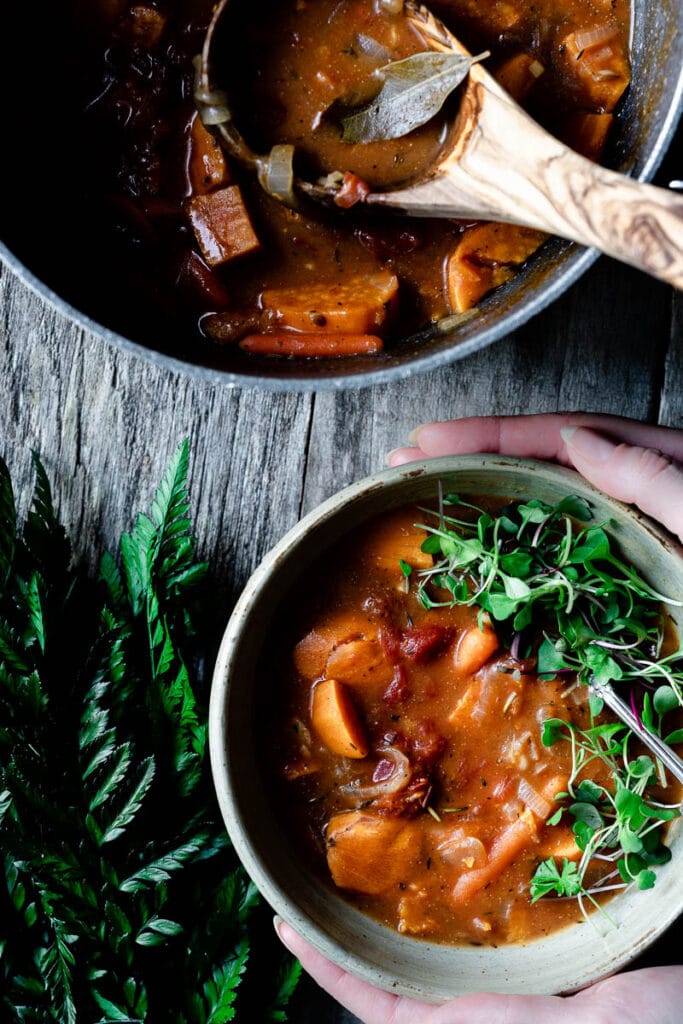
pixel 144 231
pixel 422 785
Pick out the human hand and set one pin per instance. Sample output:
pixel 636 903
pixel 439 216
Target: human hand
pixel 651 996
pixel 634 462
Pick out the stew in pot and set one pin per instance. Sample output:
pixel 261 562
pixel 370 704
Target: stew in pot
pixel 199 240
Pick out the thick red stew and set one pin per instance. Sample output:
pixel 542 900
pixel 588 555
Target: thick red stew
pixel 419 761
pixel 202 245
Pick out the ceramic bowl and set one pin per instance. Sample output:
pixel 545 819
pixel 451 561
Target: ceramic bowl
pixel 565 961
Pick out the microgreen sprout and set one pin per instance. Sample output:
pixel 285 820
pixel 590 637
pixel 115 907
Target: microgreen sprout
pixel 558 594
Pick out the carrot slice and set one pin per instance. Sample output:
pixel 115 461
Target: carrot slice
pixel 207 167
pixel 313 345
pixel 474 649
pixel 336 720
pixel 507 845
pixel 356 306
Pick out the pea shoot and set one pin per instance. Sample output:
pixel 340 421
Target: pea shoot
pixel 560 596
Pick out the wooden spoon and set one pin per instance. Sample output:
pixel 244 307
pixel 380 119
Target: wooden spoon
pixel 501 166
pixel 659 748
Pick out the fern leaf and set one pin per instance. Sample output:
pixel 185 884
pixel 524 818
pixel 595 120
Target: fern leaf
pixel 157 930
pixel 56 962
pixel 110 784
pixel 42 497
pixel 170 503
pixel 44 535
pixel 111 577
pixel 137 559
pixel 221 991
pixel 286 982
pixel 34 605
pixel 161 869
pixel 129 810
pixel 113 1013
pixel 11 645
pixel 5 804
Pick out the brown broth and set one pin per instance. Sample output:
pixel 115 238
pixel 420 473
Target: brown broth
pixel 290 66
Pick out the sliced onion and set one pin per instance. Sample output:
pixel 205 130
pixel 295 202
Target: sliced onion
pixel 462 851
pixel 397 781
pixel 276 174
pixel 534 800
pixel 371 48
pixel 212 104
pixel 586 39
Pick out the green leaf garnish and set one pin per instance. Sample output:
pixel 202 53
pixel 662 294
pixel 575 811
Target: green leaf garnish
pixel 559 590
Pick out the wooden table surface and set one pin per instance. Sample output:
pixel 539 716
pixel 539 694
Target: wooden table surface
pixel 105 424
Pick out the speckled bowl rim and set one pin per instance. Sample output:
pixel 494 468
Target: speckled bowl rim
pixel 367 949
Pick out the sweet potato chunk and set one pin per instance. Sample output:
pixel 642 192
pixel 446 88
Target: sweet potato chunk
pixel 587 133
pixel 361 663
pixel 474 649
pixel 559 842
pixel 600 65
pixel 313 650
pixel 207 167
pixel 397 542
pixel 486 257
pixel 370 853
pixel 358 305
pixel 336 720
pixel 221 225
pixel 318 345
pixel 518 74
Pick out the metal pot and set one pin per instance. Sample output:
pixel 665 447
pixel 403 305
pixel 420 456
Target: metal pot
pixel 47 162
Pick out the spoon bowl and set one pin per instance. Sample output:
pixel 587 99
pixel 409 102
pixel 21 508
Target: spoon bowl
pixel 498 164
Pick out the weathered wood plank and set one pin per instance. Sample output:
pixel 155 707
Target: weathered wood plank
pixel 106 424
pixel 671 409
pixel 599 348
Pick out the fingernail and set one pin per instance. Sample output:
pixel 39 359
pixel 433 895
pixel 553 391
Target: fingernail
pixel 414 433
pixel 277 924
pixel 586 443
pixel 388 457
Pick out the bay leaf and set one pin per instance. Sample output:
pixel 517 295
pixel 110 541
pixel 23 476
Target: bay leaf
pixel 413 91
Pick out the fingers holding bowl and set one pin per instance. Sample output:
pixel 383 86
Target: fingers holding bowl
pixel 635 462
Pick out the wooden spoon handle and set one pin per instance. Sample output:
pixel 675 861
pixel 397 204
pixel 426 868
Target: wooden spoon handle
pixel 503 166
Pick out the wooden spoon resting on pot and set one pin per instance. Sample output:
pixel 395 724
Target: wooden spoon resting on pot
pixel 500 165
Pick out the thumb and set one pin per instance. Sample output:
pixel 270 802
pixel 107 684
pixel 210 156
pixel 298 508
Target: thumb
pixel 639 476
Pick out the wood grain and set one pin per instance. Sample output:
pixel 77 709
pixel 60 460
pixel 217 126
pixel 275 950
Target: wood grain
pixel 503 166
pixel 105 424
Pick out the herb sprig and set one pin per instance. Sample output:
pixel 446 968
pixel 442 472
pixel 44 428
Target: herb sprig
pixel 549 572
pixel 536 572
pixel 120 897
